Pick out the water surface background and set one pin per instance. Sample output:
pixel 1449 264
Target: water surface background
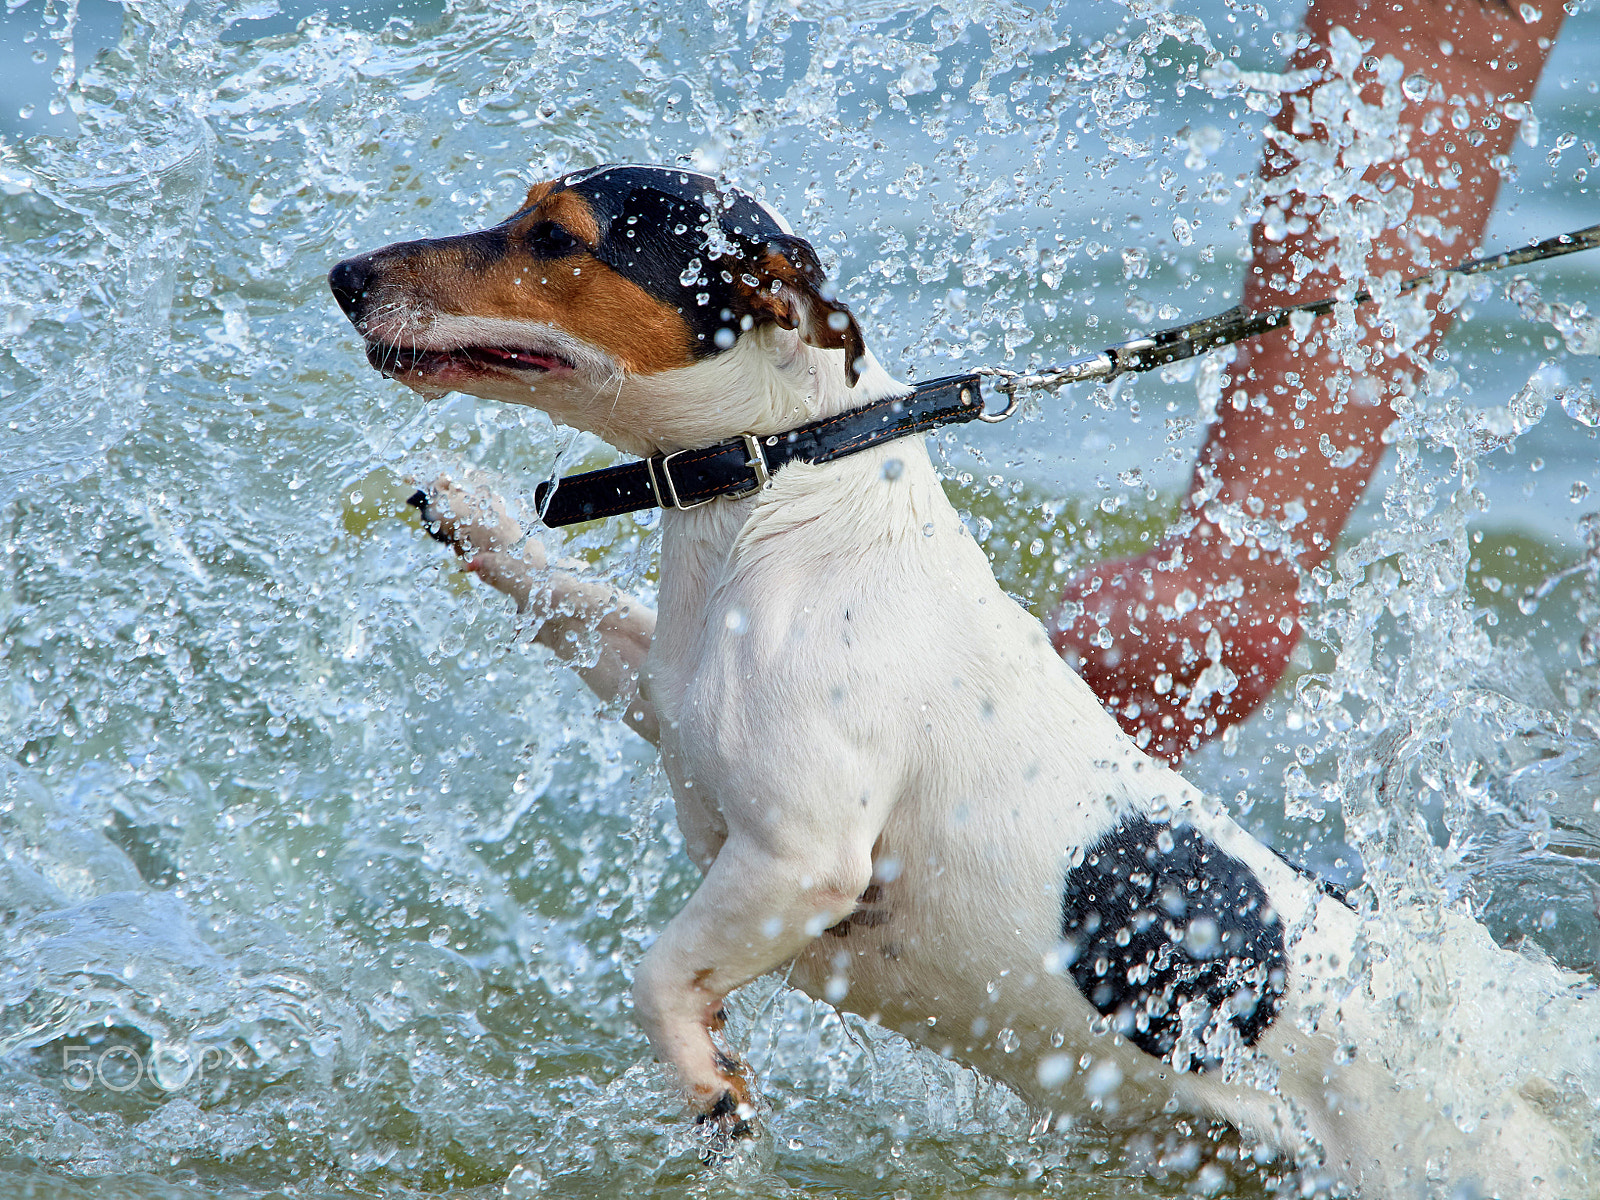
pixel 317 879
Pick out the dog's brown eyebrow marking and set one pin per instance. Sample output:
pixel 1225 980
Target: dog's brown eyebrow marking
pixel 566 208
pixel 537 193
pixel 531 201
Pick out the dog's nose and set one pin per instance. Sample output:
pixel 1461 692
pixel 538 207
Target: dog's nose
pixel 349 281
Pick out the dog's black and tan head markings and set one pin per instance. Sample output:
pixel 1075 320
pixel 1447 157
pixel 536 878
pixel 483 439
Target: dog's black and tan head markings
pixel 614 270
pixel 1157 917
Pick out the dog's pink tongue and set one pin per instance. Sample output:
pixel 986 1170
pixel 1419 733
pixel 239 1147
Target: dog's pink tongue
pixel 525 360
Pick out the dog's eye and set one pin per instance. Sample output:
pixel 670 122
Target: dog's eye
pixel 549 240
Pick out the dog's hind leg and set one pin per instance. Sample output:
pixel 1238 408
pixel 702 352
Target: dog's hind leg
pixel 476 525
pixel 755 910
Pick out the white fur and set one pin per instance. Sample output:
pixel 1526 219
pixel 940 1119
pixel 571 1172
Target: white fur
pixel 845 696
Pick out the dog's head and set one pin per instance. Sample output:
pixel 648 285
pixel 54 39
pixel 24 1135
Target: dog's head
pixel 604 281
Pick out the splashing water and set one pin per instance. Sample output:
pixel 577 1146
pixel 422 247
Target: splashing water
pixel 317 876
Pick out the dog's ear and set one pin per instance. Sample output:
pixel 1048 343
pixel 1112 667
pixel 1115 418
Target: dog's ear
pixel 789 290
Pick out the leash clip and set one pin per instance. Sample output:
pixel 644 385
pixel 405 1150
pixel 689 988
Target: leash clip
pixel 1008 383
pixel 1012 401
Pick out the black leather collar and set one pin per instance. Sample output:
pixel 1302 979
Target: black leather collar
pixel 742 465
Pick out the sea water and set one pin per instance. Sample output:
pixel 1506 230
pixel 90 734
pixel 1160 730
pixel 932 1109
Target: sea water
pixel 318 878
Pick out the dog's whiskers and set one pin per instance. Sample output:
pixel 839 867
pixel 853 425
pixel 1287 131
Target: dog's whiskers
pixel 618 377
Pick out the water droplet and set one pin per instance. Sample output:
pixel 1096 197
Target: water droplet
pixel 1105 1077
pixel 1415 87
pixel 893 468
pixel 737 620
pixel 1202 937
pixel 1579 403
pixel 1054 1070
pixel 170 1065
pixel 1185 602
pixel 1530 14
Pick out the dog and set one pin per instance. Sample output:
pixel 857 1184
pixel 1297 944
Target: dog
pixel 894 787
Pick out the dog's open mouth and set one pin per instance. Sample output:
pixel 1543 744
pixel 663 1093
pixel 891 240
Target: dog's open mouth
pixel 404 360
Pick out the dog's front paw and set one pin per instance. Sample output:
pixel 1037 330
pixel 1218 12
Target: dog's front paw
pixel 476 525
pixel 429 512
pixel 470 521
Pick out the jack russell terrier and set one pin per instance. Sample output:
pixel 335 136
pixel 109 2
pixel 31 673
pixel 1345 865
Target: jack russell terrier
pixel 893 785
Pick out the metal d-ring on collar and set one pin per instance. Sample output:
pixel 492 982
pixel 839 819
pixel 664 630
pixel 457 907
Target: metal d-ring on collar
pixel 1013 401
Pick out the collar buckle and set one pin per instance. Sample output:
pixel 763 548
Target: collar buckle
pixel 659 470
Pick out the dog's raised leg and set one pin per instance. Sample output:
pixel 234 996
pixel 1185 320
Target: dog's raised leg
pixel 762 901
pixel 476 525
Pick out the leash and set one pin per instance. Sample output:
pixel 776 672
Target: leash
pixel 744 465
pixel 1237 325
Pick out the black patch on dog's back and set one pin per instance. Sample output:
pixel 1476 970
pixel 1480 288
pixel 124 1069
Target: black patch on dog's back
pixel 1157 916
